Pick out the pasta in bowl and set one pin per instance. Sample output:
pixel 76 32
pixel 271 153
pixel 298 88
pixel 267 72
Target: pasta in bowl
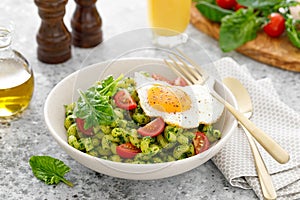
pixel 129 142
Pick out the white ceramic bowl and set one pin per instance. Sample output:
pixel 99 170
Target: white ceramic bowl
pixel 65 92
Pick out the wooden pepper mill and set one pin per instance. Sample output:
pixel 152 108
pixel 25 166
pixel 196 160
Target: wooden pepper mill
pixel 86 24
pixel 53 38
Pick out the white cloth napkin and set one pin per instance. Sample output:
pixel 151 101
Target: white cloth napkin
pixel 278 120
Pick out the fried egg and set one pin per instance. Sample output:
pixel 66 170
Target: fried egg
pixel 186 107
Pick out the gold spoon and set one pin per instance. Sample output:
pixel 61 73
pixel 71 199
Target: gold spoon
pixel 245 106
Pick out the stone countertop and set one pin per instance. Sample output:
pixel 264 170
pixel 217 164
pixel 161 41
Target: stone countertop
pixel 28 135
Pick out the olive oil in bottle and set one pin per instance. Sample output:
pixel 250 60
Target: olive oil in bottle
pixel 16 78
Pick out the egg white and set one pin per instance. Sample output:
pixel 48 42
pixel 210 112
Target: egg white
pixel 204 108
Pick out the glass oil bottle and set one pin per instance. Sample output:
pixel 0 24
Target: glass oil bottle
pixel 16 78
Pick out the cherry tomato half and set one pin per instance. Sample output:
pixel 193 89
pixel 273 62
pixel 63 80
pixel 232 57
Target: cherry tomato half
pixel 276 26
pixel 226 4
pixel 124 100
pixel 238 6
pixel 80 125
pixel 200 142
pixel 161 78
pixel 127 150
pixel 179 81
pixel 153 128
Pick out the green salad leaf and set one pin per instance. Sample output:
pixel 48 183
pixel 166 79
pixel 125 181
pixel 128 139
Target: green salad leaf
pixel 259 3
pixel 292 33
pixel 266 7
pixel 211 11
pixel 94 105
pixel 238 28
pixel 262 4
pixel 50 170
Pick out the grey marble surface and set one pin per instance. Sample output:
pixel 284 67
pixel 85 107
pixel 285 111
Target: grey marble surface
pixel 29 136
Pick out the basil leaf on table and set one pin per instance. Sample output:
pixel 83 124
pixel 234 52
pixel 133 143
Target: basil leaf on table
pixel 238 28
pixel 292 33
pixel 211 11
pixel 50 170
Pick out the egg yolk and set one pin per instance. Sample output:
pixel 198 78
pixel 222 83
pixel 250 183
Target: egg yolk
pixel 168 99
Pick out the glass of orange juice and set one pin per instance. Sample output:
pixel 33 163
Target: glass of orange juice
pixel 169 19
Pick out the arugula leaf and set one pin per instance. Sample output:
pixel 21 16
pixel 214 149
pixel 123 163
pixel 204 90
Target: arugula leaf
pixel 238 28
pixel 208 1
pixel 211 11
pixel 50 170
pixel 108 86
pixel 259 3
pixel 292 33
pixel 266 7
pixel 94 105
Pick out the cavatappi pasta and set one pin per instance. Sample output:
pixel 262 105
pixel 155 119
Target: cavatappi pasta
pixel 174 143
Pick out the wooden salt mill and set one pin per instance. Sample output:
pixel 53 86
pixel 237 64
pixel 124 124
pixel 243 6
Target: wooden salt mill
pixel 53 38
pixel 86 24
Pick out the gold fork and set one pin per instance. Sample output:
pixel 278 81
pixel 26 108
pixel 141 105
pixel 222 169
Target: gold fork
pixel 193 74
